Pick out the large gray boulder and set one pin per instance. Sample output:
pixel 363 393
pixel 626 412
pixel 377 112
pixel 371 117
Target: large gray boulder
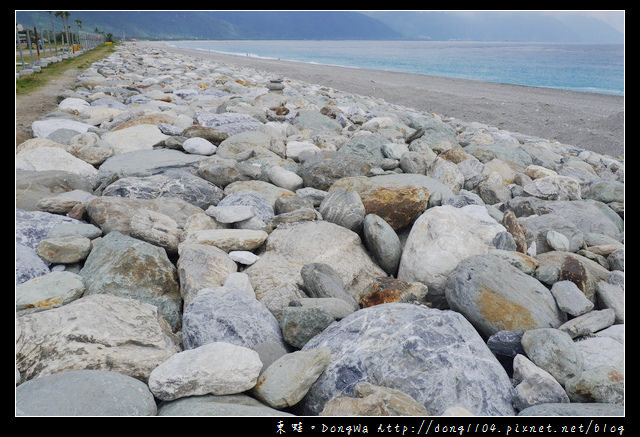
pixel 222 314
pixel 128 267
pixel 100 332
pixel 434 356
pixel 85 393
pixel 495 296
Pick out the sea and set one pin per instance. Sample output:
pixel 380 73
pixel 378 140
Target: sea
pixel 590 68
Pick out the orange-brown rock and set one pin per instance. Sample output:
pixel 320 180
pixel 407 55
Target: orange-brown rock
pixel 387 290
pixel 399 204
pixel 515 228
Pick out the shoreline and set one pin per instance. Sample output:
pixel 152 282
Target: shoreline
pixel 587 120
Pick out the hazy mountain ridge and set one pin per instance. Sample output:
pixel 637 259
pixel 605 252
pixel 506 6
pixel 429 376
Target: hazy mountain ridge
pixel 337 25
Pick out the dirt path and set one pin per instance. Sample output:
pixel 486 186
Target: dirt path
pixel 35 105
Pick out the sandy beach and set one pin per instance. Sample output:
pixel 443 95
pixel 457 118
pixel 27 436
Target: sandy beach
pixel 591 121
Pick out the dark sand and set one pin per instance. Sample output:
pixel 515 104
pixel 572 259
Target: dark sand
pixel 590 121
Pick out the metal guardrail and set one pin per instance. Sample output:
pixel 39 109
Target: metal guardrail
pixel 45 47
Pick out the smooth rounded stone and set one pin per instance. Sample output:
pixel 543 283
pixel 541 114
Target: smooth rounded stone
pixel 243 257
pixel 50 290
pixel 398 198
pixel 174 184
pixel 611 296
pixel 414 162
pixel 214 368
pixel 261 202
pixel 383 243
pixel 604 190
pixel 100 332
pixel 28 264
pixel 228 315
pixel 589 216
pixel 221 171
pixel 229 239
pixel 600 351
pixel 534 386
pixel 537 171
pixel 286 381
pixel 156 228
pixel 230 213
pixel 321 280
pixel 86 230
pixel 33 226
pixel 495 296
pixel 538 227
pixel 602 384
pixel 553 351
pixel 570 298
pixel 198 146
pixel 201 266
pixel 559 266
pixel 64 250
pixel 344 208
pixel 53 158
pixel 43 128
pixel 574 409
pixel 125 266
pixel 557 241
pixel 414 349
pixel 142 163
pixel 295 148
pixel 322 172
pixel 300 324
pixel 211 405
pixel 462 232
pixel 292 246
pixel 231 123
pixel 504 241
pixel 85 393
pixel 316 122
pixel 394 150
pixel 284 178
pixel 116 213
pixel 64 202
pixel 31 186
pixel 214 136
pixel 130 139
pixel 388 289
pixel 336 307
pixel 588 323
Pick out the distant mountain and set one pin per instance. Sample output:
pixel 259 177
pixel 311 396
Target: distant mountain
pixel 171 25
pixel 337 25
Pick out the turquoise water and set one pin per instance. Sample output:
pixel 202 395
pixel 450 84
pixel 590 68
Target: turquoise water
pixel 594 68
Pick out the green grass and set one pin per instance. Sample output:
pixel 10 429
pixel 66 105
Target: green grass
pixel 29 83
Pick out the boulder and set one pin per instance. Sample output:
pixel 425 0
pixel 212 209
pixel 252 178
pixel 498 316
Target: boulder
pixel 99 332
pixel 495 296
pixel 417 350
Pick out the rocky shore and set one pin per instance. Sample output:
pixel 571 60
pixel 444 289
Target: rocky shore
pixel 197 238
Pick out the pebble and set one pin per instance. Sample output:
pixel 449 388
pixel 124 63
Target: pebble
pixel 195 239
